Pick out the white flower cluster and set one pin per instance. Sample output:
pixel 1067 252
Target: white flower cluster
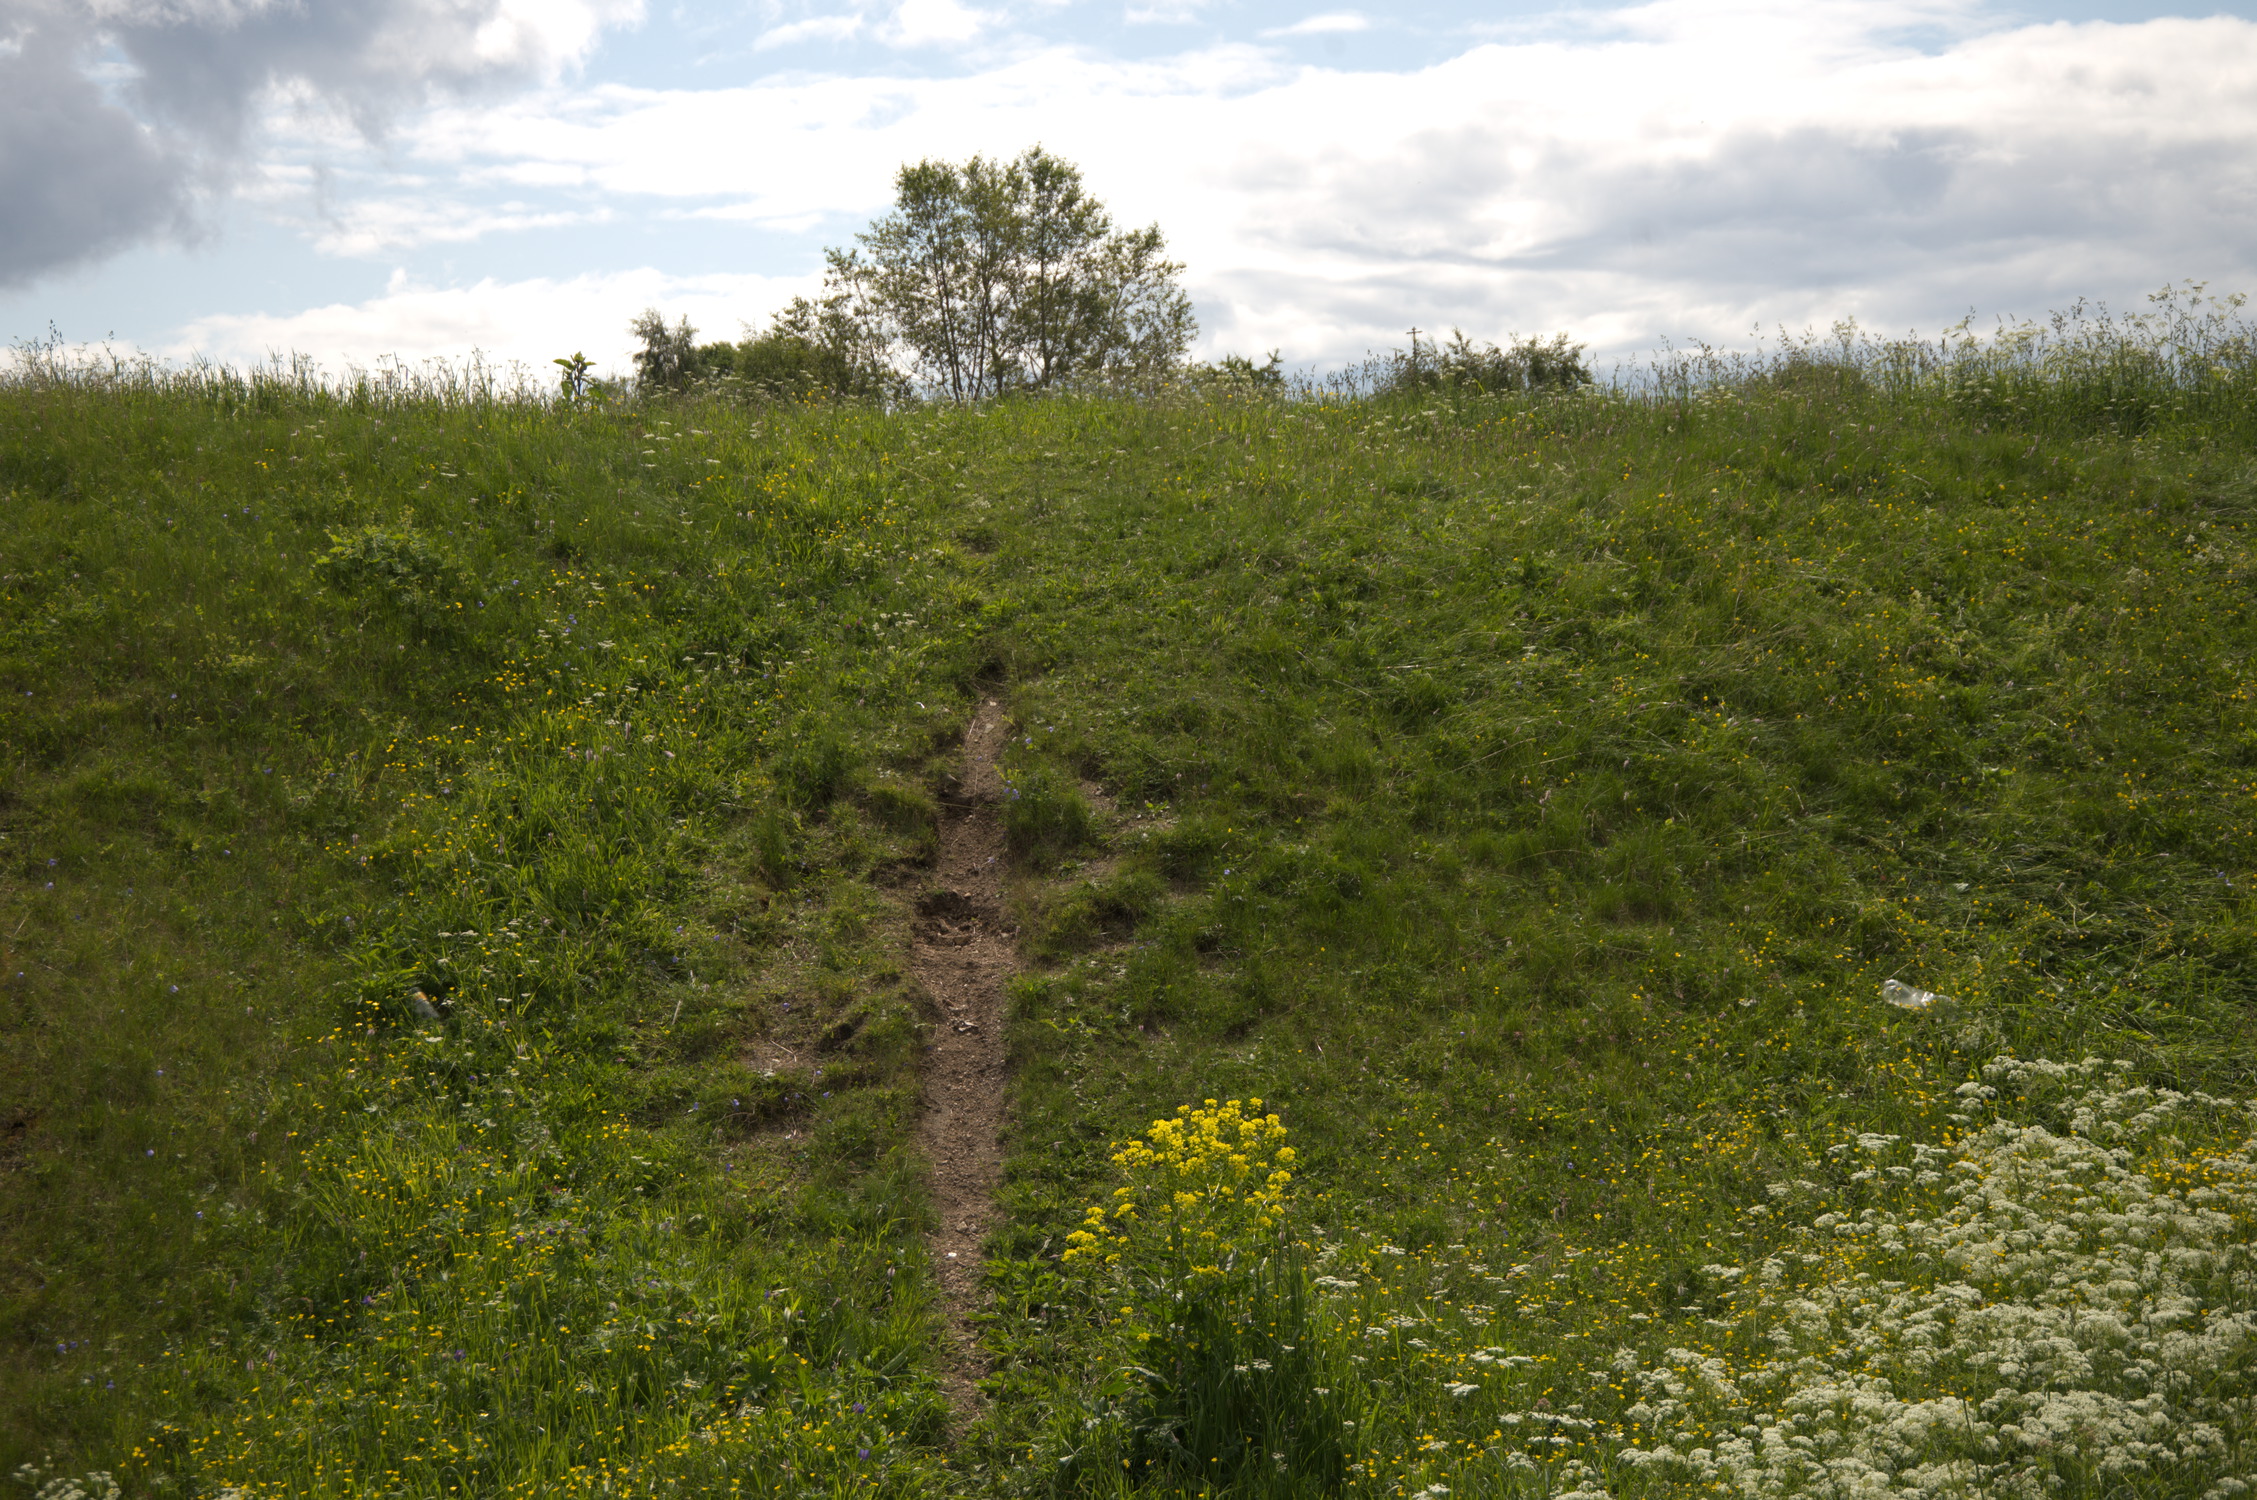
pixel 2029 1312
pixel 44 1485
pixel 1572 1480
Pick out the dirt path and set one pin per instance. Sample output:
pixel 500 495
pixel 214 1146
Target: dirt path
pixel 963 950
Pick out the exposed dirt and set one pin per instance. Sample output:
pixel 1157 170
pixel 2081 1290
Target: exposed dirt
pixel 963 950
pixel 771 1055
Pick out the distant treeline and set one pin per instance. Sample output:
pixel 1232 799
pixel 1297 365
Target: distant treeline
pixel 804 353
pixel 1001 277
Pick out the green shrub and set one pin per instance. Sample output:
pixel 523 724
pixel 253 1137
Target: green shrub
pixel 797 361
pixel 1236 375
pixel 1524 364
pixel 397 560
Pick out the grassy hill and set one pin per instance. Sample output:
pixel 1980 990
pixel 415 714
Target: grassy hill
pixel 456 854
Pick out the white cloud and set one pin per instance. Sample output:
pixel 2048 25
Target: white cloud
pixel 373 226
pixel 1677 169
pixel 548 35
pixel 526 322
pixel 1164 13
pixel 530 174
pixel 1331 23
pixel 910 24
pixel 926 23
pixel 814 29
pixel 121 119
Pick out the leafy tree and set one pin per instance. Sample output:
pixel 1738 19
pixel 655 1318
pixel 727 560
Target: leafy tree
pixel 989 277
pixel 812 347
pixel 669 358
pixel 817 347
pixel 996 276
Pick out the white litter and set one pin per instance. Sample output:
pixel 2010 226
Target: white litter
pixel 1906 997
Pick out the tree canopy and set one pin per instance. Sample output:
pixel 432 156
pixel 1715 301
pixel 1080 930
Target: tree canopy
pixel 996 276
pixel 985 278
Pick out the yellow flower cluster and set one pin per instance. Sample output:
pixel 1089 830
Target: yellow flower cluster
pixel 1202 1184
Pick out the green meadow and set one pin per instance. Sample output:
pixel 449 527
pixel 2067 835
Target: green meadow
pixel 457 851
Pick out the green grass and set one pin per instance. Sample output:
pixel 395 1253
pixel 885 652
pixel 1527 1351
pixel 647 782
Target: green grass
pixel 579 777
pixel 1526 798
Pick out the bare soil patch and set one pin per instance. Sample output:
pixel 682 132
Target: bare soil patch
pixel 963 950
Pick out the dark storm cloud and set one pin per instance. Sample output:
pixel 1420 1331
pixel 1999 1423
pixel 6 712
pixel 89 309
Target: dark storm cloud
pixel 80 177
pixel 118 120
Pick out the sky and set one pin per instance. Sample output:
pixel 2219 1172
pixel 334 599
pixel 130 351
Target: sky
pixel 359 181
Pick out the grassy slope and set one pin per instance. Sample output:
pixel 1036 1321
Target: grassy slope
pixel 1551 791
pixel 563 776
pixel 1529 801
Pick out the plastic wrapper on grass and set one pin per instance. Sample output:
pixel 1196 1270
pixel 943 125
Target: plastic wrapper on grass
pixel 1908 997
pixel 1045 816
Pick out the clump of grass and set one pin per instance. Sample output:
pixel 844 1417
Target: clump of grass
pixel 1045 815
pixel 2185 359
pixel 1094 910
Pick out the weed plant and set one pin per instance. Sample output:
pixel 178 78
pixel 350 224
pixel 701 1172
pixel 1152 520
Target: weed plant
pixel 457 846
pixel 1192 1261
